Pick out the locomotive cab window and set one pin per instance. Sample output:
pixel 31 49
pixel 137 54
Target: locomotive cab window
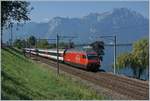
pixel 92 57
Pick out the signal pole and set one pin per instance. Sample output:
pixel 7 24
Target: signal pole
pixel 115 54
pixel 1 36
pixel 11 35
pixel 57 45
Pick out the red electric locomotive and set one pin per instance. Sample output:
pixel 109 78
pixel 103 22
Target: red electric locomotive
pixel 83 59
pixel 80 58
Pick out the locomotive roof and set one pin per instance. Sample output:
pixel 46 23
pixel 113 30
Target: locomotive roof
pixel 85 50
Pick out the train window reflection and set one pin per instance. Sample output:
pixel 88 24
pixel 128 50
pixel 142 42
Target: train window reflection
pixel 92 57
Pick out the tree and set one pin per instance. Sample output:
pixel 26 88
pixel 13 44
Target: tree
pixel 24 43
pixel 13 11
pixel 52 45
pixel 20 43
pixel 32 41
pixel 71 45
pixel 43 44
pixel 137 60
pixel 98 47
pixel 65 45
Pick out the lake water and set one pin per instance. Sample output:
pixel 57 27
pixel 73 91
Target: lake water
pixel 108 61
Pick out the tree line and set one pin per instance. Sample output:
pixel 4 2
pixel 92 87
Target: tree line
pixel 33 42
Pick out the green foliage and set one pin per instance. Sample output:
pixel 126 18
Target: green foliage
pixel 98 46
pixel 141 53
pixel 71 45
pixel 137 60
pixel 24 79
pixel 123 60
pixel 19 43
pixel 43 44
pixel 66 45
pixel 14 11
pixel 52 45
pixel 32 41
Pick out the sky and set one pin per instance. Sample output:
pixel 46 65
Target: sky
pixel 45 10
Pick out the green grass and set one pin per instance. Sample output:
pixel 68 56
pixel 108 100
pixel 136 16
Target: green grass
pixel 25 79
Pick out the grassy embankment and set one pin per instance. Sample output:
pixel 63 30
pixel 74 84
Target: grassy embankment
pixel 25 79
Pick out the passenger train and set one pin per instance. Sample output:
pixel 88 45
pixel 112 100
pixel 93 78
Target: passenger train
pixel 84 59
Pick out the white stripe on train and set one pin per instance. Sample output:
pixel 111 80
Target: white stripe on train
pixel 46 50
pixel 53 51
pixel 50 56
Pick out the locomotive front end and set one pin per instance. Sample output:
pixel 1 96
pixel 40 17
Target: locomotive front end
pixel 93 61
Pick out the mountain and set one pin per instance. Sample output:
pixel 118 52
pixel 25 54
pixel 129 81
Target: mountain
pixel 128 25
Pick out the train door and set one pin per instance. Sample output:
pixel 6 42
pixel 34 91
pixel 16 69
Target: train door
pixel 77 58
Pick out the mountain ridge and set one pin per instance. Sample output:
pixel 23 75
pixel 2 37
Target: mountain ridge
pixel 128 25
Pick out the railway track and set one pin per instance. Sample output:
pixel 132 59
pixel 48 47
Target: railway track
pixel 131 88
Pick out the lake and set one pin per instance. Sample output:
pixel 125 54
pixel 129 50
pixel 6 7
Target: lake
pixel 108 61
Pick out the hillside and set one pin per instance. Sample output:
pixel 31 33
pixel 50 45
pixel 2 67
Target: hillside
pixel 25 79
